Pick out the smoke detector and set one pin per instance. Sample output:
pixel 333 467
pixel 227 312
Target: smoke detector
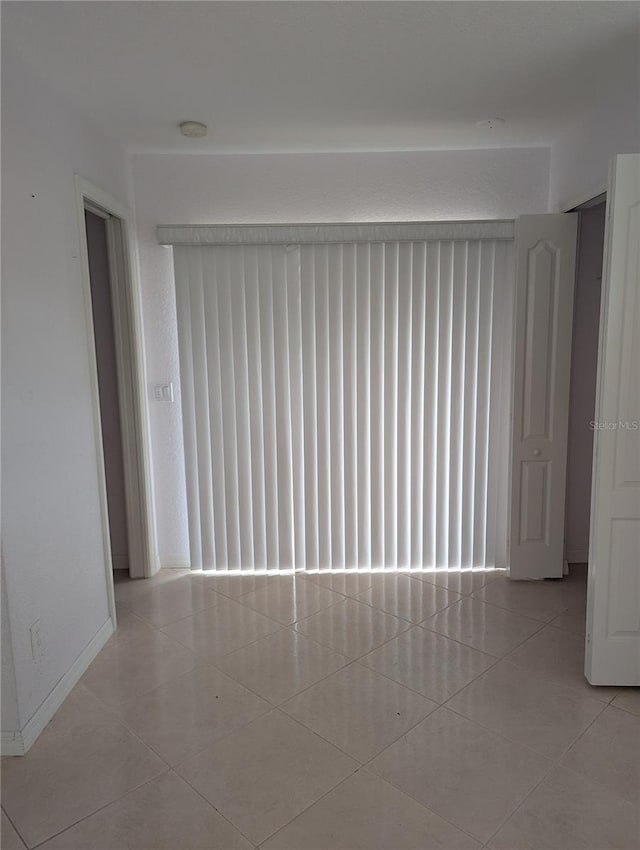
pixel 490 123
pixel 193 129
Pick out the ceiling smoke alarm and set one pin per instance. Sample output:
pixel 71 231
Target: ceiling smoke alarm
pixel 193 129
pixel 490 123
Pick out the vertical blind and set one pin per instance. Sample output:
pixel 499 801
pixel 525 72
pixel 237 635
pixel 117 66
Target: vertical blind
pixel 346 405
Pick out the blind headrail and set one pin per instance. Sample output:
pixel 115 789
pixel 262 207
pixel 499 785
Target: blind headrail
pixel 305 234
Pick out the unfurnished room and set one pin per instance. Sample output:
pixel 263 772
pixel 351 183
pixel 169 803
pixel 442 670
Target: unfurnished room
pixel 320 425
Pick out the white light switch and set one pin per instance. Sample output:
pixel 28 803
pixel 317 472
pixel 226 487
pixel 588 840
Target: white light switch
pixel 163 392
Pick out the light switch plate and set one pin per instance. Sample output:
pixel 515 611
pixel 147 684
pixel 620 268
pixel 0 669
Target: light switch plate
pixel 163 392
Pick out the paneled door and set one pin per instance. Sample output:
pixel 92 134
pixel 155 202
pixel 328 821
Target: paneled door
pixel 613 603
pixel 545 279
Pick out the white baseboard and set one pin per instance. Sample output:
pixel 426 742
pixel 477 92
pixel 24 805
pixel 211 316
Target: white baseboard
pixel 175 562
pixel 19 743
pixel 11 744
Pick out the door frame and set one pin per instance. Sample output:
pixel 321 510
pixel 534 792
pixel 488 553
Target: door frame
pixel 130 365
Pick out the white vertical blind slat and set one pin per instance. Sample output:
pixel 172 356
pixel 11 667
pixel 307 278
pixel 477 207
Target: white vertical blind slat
pixel 345 405
pixel 310 407
pixel 456 414
pixel 323 405
pixel 363 354
pixel 416 457
pixel 216 426
pixel 187 354
pixel 294 311
pixel 201 410
pixel 430 466
pixel 443 444
pixel 350 403
pixel 377 384
pixel 390 412
pixel 403 404
pixel 254 359
pixel 229 410
pixel 269 407
pixel 335 297
pixel 240 356
pixel 283 411
pixel 469 457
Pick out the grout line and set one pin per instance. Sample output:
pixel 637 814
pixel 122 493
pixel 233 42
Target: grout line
pixel 19 834
pixel 217 810
pixel 557 762
pixel 306 808
pixel 499 657
pixel 348 661
pixel 101 808
pixel 424 806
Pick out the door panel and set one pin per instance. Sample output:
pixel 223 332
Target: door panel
pixel 546 248
pixel 613 604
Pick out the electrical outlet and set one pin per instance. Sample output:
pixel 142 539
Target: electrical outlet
pixel 37 642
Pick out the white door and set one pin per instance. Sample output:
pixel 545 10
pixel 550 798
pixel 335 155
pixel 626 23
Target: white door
pixel 613 605
pixel 545 280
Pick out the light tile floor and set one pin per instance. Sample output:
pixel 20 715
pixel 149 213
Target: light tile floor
pixel 336 712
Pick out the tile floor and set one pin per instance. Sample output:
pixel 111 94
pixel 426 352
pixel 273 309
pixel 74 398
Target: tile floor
pixel 336 712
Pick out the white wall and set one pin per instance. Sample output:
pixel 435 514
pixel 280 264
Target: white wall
pixel 207 189
pixel 52 535
pixel 9 696
pixel 580 157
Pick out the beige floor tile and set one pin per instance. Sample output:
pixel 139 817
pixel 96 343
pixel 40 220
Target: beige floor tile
pixel 366 813
pixel 351 627
pixel 126 669
pixel 83 760
pixel 191 712
pixel 628 699
pixel 359 711
pixel 281 664
pixel 568 812
pixel 349 584
pixel 222 629
pixel 428 662
pixel 261 777
pixel 560 656
pixel 468 775
pixel 540 600
pixel 528 708
pixel 484 627
pixel 235 586
pixel 172 601
pixel 574 619
pixel 129 627
pixel 165 814
pixel 127 589
pixel 290 599
pixel 406 597
pixel 9 838
pixel 458 581
pixel 609 753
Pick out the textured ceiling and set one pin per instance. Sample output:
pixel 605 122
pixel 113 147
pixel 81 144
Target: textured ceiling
pixel 316 76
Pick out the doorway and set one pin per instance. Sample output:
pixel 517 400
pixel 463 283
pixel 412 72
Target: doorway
pixel 116 363
pixel 584 363
pixel 110 416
